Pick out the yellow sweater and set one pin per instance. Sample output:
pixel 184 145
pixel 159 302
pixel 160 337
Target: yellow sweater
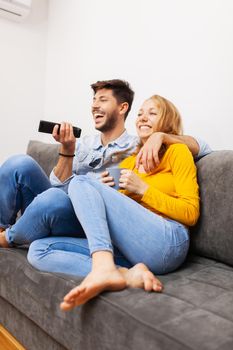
pixel 173 188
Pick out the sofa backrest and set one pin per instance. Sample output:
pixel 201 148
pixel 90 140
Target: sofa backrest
pixel 213 235
pixel 46 154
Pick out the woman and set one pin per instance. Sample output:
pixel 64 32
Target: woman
pixel 148 221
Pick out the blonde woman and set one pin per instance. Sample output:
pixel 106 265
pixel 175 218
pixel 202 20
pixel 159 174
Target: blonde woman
pixel 147 222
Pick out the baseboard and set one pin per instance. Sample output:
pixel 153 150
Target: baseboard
pixel 7 341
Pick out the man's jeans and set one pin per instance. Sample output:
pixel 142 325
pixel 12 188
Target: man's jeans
pixel 21 180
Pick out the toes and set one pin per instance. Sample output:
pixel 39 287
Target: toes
pixel 151 283
pixel 157 286
pixel 74 293
pixel 65 306
pixel 148 286
pixel 148 281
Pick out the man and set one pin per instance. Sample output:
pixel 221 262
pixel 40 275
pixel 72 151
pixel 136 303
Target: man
pixel 22 179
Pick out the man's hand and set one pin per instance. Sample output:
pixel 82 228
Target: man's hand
pixel 106 179
pixel 131 182
pixel 148 155
pixel 65 137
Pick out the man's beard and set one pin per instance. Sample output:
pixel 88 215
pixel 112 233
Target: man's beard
pixel 110 123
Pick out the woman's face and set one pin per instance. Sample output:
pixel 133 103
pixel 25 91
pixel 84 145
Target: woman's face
pixel 147 120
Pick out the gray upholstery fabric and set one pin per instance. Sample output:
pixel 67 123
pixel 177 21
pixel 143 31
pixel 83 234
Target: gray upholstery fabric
pixel 25 330
pixel 195 311
pixel 46 154
pixel 213 235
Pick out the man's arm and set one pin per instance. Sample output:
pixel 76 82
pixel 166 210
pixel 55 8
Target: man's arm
pixel 149 153
pixel 63 169
pixel 189 141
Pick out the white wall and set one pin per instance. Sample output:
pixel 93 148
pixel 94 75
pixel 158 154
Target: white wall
pixel 22 79
pixel 180 49
pixel 177 48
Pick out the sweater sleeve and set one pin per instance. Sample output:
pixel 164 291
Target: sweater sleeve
pixel 184 205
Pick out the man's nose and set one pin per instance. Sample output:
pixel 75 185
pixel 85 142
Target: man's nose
pixel 95 104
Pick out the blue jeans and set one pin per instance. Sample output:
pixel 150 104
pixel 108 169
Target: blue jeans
pixel 21 180
pixel 49 214
pixel 68 255
pixel 111 221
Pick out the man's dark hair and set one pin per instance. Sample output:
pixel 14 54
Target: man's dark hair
pixel 121 90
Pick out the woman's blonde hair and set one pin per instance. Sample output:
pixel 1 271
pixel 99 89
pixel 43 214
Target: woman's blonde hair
pixel 169 117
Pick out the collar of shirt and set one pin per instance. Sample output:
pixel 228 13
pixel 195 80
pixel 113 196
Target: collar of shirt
pixel 122 141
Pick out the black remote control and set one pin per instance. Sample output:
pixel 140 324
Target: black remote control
pixel 47 127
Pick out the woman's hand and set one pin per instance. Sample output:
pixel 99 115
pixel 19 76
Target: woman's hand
pixel 131 182
pixel 148 155
pixel 106 179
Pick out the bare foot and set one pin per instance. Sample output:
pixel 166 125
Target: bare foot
pixel 95 283
pixel 139 276
pixel 3 241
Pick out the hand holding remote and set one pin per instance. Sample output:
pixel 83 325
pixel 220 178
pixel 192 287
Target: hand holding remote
pixel 64 134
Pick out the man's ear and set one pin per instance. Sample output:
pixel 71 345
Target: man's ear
pixel 124 107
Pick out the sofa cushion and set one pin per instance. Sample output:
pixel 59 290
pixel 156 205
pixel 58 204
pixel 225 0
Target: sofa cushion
pixel 213 235
pixel 46 154
pixel 195 311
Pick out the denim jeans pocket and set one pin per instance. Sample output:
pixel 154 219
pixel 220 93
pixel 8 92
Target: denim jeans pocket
pixel 175 256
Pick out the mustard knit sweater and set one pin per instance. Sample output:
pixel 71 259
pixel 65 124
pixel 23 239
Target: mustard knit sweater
pixel 173 188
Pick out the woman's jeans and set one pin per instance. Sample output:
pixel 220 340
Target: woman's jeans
pixel 111 222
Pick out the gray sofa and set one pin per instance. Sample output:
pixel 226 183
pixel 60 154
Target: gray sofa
pixel 195 311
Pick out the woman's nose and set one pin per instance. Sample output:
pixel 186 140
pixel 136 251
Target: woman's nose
pixel 144 117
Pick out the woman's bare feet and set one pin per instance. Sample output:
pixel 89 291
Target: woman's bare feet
pixel 139 276
pixel 3 241
pixel 96 282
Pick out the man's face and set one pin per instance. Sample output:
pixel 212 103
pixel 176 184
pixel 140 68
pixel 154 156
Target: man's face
pixel 105 110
